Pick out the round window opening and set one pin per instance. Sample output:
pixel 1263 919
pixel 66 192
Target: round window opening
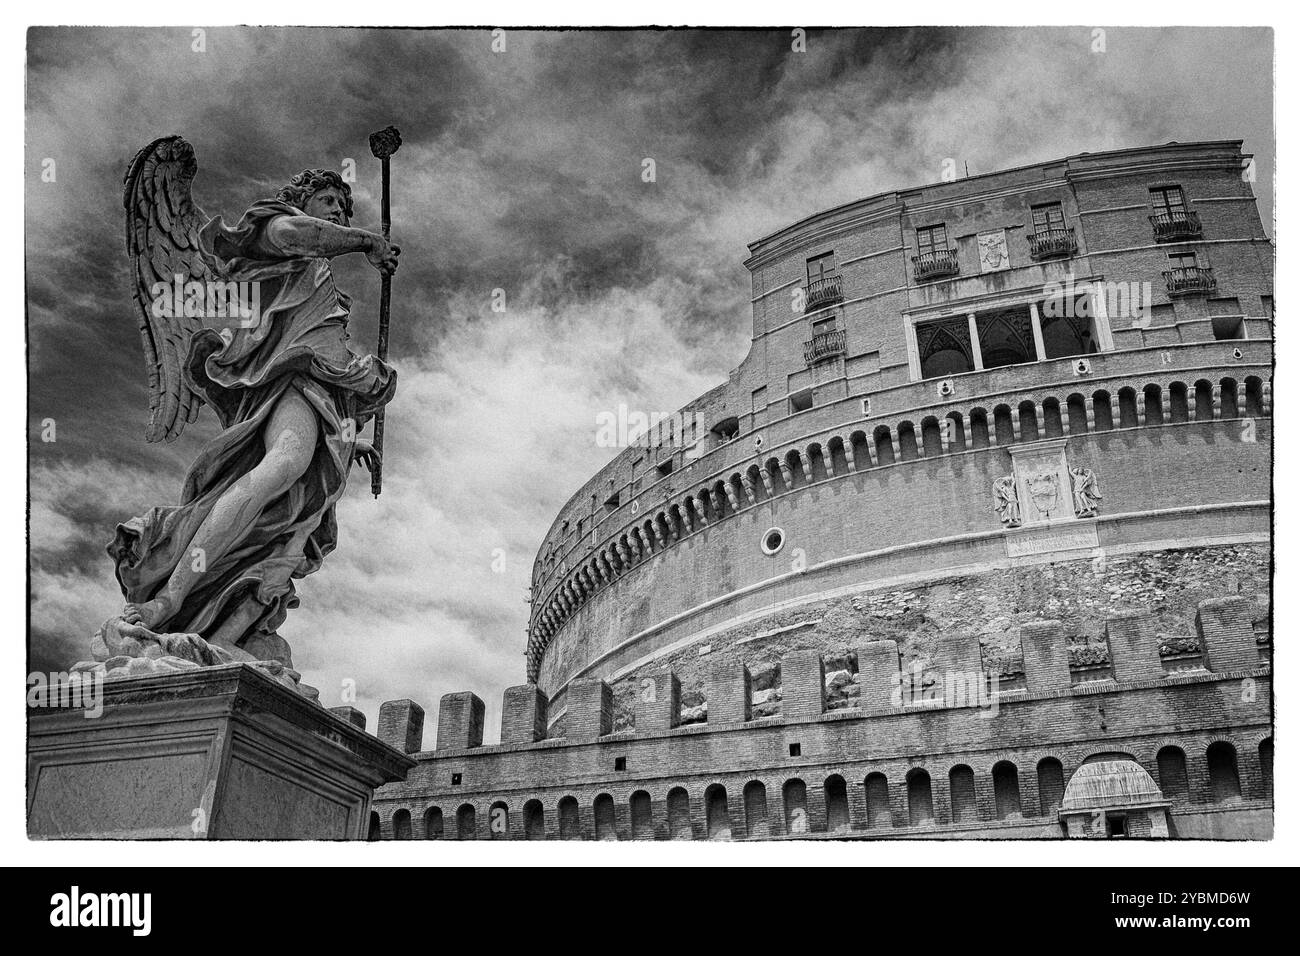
pixel 773 540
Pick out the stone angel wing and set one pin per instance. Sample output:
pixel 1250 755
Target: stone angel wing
pixel 162 229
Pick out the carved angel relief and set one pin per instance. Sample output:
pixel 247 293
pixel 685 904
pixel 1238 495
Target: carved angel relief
pixel 1006 500
pixel 1086 494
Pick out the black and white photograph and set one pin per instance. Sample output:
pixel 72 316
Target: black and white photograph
pixel 649 443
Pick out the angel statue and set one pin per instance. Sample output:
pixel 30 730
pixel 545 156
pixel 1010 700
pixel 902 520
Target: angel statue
pixel 1083 484
pixel 1006 501
pixel 247 319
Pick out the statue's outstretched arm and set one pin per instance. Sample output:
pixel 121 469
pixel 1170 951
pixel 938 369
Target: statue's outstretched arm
pixel 318 238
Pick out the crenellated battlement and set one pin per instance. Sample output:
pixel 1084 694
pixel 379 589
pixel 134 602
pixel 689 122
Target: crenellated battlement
pixel 1133 654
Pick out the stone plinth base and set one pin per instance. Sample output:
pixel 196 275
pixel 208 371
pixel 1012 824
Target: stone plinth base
pixel 222 753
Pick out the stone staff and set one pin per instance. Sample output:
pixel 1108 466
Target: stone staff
pixel 383 144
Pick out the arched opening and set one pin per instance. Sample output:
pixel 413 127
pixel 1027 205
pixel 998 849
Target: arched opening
pixel 1154 402
pixel 1052 424
pixel 717 819
pixel 433 823
pixel 884 446
pixel 1254 396
pixel 907 441
pixel 920 800
pixel 1029 430
pixel 931 440
pixel 570 827
pixel 1006 790
pixel 402 825
pixel 1006 337
pixel 1051 786
pixel 1204 401
pixel 1225 783
pixel 679 815
pixel 794 467
pixel 534 821
pixel 1003 430
pixel 1266 766
pixel 961 794
pixel 1171 766
pixel 1065 335
pixel 944 348
pixel 837 804
pixel 840 456
pixel 375 832
pixel 1228 398
pixel 756 810
pixel 795 795
pixel 1178 410
pixel 877 787
pixel 1076 409
pixel 979 428
pixel 603 808
pixel 861 453
pixel 642 818
pixel 1128 411
pixel 817 462
pixel 1101 415
pixel 499 821
pixel 956 431
pixel 466 822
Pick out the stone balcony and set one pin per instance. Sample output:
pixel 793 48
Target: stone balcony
pixel 1053 243
pixel 939 264
pixel 1176 225
pixel 823 346
pixel 823 291
pixel 1190 280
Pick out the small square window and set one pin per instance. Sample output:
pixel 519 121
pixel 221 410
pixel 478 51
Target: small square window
pixel 665 468
pixel 620 763
pixel 1117 825
pixel 455 780
pixel 1228 327
pixel 801 401
pixel 796 750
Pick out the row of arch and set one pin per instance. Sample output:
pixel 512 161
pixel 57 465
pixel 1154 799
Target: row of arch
pixel 874 805
pixel 839 455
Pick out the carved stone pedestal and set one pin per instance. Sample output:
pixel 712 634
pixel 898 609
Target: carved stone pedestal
pixel 223 753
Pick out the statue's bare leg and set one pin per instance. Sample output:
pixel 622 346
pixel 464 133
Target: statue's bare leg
pixel 290 442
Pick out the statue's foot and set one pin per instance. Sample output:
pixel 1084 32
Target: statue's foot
pixel 151 614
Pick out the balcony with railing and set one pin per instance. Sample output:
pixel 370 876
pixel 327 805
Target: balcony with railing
pixel 823 291
pixel 823 346
pixel 1190 280
pixel 938 264
pixel 1176 225
pixel 1053 243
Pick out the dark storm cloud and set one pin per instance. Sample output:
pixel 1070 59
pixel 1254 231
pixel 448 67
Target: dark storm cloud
pixel 519 171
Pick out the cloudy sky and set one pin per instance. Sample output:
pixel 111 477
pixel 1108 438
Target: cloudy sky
pixel 520 170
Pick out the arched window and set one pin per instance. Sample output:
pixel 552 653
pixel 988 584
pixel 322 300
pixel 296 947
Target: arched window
pixel 756 810
pixel 837 804
pixel 433 823
pixel 878 814
pixel 466 822
pixel 570 827
pixel 961 791
pixel 402 825
pixel 717 819
pixel 679 815
pixel 1006 790
pixel 642 819
pixel 920 801
pixel 606 828
pixel 1051 786
pixel 534 821
pixel 1171 765
pixel 1225 784
pixel 796 806
pixel 1178 403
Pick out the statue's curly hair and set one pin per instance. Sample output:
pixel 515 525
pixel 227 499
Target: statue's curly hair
pixel 307 183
